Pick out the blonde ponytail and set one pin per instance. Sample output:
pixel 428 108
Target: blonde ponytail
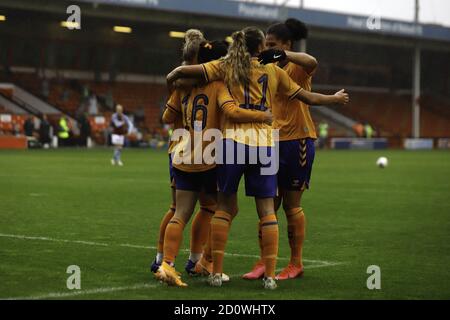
pixel 236 64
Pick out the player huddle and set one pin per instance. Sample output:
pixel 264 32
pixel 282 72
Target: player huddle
pixel 257 92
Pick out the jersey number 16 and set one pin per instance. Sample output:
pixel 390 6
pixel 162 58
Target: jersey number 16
pixel 199 103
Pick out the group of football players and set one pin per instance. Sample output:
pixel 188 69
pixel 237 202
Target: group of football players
pixel 249 89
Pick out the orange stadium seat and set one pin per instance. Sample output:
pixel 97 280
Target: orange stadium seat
pixel 391 114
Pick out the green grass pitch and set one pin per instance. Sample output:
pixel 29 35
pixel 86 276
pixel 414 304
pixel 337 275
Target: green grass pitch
pixel 71 207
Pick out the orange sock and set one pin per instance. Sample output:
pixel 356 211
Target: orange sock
pixel 172 239
pixel 269 234
pixel 260 243
pixel 200 229
pixel 296 234
pixel 220 226
pixel 207 250
pixel 162 227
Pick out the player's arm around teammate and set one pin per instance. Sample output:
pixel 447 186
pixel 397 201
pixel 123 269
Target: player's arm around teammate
pixel 310 98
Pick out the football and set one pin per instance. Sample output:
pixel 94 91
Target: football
pixel 382 162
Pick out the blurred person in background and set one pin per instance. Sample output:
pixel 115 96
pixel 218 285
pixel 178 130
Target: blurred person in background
pixel 28 126
pixel 358 128
pixel 85 129
pixel 121 126
pixel 44 132
pixel 63 131
pixel 93 105
pixel 368 131
pixel 323 134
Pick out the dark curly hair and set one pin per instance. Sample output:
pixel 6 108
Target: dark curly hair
pixel 211 50
pixel 290 30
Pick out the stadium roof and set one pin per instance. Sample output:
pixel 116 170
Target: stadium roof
pixel 262 12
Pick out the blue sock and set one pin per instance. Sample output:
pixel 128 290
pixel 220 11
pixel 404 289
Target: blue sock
pixel 116 155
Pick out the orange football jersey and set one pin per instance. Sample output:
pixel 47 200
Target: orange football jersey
pixel 292 116
pixel 202 108
pixel 265 82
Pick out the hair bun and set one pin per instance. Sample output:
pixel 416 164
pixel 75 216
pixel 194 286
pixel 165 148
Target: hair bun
pixel 297 28
pixel 238 36
pixel 193 35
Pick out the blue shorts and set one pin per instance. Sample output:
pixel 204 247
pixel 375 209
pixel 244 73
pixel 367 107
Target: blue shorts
pixel 205 181
pixel 256 184
pixel 296 161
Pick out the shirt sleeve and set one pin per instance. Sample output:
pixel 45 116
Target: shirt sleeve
pixel 173 108
pixel 212 71
pixel 286 85
pixel 302 77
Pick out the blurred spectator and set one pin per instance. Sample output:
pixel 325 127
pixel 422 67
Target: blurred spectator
pixel 323 134
pixel 368 131
pixel 63 131
pixel 359 129
pixel 85 129
pixel 28 126
pixel 44 131
pixel 93 105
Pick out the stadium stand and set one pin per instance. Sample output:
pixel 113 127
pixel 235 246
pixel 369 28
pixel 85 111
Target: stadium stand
pixel 66 95
pixel 11 124
pixel 391 114
pixel 130 69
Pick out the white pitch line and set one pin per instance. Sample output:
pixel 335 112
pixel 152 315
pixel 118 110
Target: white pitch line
pixel 57 295
pixel 254 256
pixel 92 243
